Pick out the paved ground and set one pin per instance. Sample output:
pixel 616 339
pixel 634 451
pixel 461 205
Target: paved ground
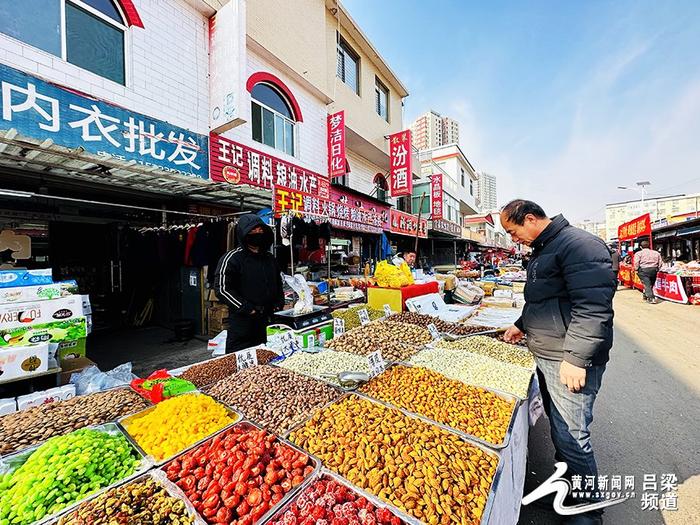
pixel 647 416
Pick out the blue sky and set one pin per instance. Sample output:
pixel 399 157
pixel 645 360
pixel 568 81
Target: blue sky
pixel 562 100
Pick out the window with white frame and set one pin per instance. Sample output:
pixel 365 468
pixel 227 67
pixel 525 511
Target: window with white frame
pixel 272 118
pixel 87 33
pixel 348 65
pixel 381 99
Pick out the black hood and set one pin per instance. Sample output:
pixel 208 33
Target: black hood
pixel 246 223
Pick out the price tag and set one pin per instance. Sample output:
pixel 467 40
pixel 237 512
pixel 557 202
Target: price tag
pixel 433 331
pixel 387 310
pixel 375 361
pixel 310 341
pixel 246 358
pixel 363 315
pixel 535 409
pixel 338 327
pixel 289 344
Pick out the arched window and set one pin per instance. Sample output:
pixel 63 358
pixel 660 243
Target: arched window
pixel 272 117
pixel 87 33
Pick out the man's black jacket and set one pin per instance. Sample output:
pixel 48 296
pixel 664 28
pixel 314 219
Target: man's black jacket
pixel 248 281
pixel 568 312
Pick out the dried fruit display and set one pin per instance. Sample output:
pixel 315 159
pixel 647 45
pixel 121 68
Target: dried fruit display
pixel 467 408
pixel 426 471
pixel 239 475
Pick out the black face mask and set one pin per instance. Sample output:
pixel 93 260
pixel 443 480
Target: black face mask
pixel 256 240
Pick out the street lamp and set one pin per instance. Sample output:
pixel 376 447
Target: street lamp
pixel 642 185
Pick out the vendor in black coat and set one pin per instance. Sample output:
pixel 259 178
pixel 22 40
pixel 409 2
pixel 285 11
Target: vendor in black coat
pixel 568 319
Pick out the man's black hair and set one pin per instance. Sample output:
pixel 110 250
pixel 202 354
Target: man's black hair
pixel 516 210
pixel 410 251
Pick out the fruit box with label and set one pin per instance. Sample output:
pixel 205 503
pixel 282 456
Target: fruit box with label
pixel 10 278
pixel 41 312
pixel 21 294
pixel 20 361
pixel 55 332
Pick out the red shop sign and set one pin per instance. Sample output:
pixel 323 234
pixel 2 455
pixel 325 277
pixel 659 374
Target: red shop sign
pixel 436 196
pixel 634 228
pixel 336 144
pixel 401 179
pixel 237 164
pixel 405 224
pixel 669 286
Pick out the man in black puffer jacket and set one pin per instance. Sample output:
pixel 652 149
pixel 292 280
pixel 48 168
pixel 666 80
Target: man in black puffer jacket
pixel 568 319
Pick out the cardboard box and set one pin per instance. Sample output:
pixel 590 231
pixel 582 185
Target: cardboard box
pixel 42 292
pixel 10 278
pixel 41 312
pixel 54 332
pixel 73 366
pixel 66 350
pixel 22 361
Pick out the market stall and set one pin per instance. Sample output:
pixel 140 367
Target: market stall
pixel 629 235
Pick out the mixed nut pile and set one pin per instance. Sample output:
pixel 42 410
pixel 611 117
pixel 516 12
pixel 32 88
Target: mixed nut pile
pixel 144 501
pixel 275 398
pixel 430 473
pixel 397 341
pixel 491 347
pixel 423 320
pixel 209 372
pixel 467 408
pixel 20 430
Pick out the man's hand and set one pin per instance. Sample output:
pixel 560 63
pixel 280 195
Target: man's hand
pixel 572 376
pixel 513 334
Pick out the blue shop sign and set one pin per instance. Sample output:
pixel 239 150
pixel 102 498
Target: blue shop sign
pixel 40 110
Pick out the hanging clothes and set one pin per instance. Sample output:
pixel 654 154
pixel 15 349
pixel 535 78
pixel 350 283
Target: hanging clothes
pixel 189 242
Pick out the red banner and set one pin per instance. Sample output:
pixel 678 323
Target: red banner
pixel 405 224
pixel 669 286
pixel 634 228
pixel 436 196
pixel 401 179
pixel 239 164
pixel 336 144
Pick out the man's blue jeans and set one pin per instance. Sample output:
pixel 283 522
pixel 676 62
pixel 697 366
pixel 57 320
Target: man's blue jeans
pixel 570 416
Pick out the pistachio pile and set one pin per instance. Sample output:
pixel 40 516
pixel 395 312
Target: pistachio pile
pixel 351 317
pixel 328 362
pixel 491 347
pixel 475 369
pixel 275 398
pixel 23 429
pixel 144 501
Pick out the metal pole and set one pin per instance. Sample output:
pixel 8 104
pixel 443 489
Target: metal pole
pixel 455 245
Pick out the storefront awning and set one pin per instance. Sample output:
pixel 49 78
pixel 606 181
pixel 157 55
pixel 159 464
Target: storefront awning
pixel 689 231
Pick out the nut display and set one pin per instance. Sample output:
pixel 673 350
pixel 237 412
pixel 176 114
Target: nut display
pixel 475 369
pixel 144 501
pixel 209 372
pixel 328 501
pixel 176 423
pixel 351 317
pixel 426 471
pixel 491 347
pixel 423 320
pixel 238 475
pixel 275 398
pixel 397 341
pixel 467 408
pixel 62 471
pixel 23 429
pixel 329 362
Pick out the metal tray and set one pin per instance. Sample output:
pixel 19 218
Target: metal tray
pixel 124 421
pixel 292 492
pixel 469 440
pixel 326 473
pixel 461 433
pixel 11 462
pixel 170 488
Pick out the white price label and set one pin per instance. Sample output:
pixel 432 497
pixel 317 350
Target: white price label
pixel 375 361
pixel 338 327
pixel 387 310
pixel 433 331
pixel 246 358
pixel 289 344
pixel 363 314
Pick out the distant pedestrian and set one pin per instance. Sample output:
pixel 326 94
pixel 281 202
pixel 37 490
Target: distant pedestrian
pixel 647 263
pixel 568 319
pixel 615 257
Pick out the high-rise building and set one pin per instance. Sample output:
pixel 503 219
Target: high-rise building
pixel 432 130
pixel 486 192
pixel 658 208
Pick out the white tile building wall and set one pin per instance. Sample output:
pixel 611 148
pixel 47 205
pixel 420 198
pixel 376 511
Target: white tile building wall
pixel 167 66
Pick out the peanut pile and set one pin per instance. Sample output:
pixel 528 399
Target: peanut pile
pixel 491 347
pixel 475 369
pixel 467 408
pixel 397 341
pixel 424 470
pixel 209 372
